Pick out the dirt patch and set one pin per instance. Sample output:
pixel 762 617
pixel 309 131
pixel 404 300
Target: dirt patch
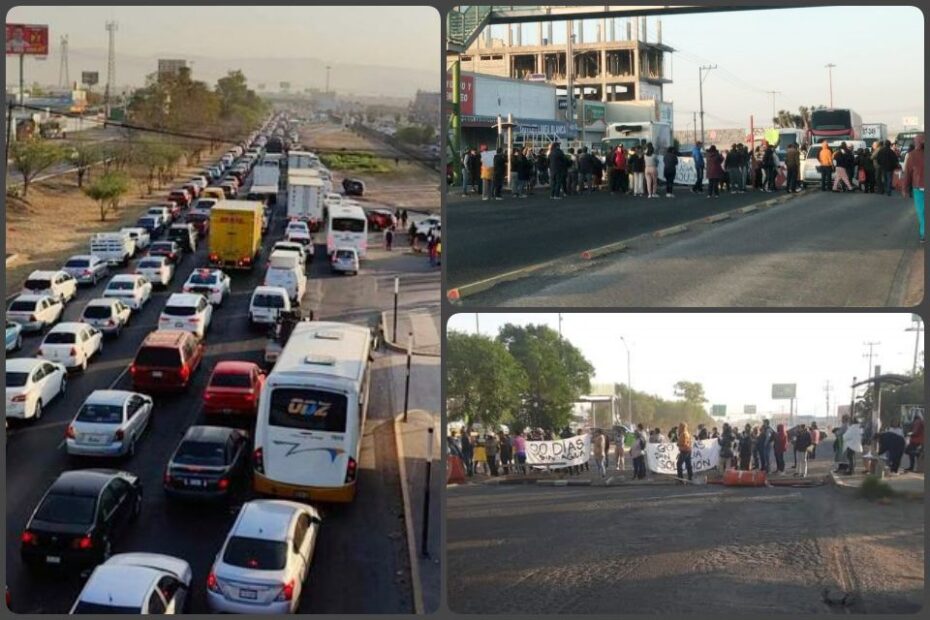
pixel 914 293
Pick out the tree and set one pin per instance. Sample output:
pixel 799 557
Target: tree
pixel 108 191
pixel 32 157
pixel 691 392
pixel 85 155
pixel 557 374
pixel 483 381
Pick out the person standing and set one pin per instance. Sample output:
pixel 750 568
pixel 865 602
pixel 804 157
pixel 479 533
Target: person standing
pixel 768 167
pixel 732 165
pixel 556 166
pixel 815 440
pixel 620 449
pixel 766 440
pixel 466 170
pixel 638 452
pixel 492 448
pixel 745 448
pixel 620 167
pixel 506 452
pixel 684 450
pixel 841 159
pixel 725 441
pixel 487 175
pixel 802 444
pixel 888 160
pixel 793 167
pixel 714 172
pixel 388 238
pixel 866 174
pixel 670 166
pixel 915 442
pixel 781 446
pixel 744 158
pixel 638 166
pixel 585 171
pixel 519 451
pixel 912 184
pixel 698 156
pixel 652 172
pixel 467 451
pixel 500 170
pixel 598 445
pixel 891 445
pixel 516 163
pixel 876 167
pixel 756 169
pixel 825 159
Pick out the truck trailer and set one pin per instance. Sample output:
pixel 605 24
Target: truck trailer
pixel 236 234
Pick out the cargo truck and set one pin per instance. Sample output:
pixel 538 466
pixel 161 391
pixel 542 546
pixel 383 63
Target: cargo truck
pixel 874 132
pixel 302 159
pixel 305 200
pixel 236 234
pixel 637 134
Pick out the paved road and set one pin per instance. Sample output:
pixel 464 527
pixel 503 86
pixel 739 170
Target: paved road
pixel 361 564
pixel 815 250
pixel 676 549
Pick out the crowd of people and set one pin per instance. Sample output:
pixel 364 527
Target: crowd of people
pixel 758 447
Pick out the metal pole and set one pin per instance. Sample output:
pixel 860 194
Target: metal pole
pixel 701 76
pixel 629 382
pixel 407 380
pixel 830 78
pixel 396 291
pixel 9 128
pixel 424 544
pixel 569 70
pixel 456 120
pixel 22 81
pixel 694 124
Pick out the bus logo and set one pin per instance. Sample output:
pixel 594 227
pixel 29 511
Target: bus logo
pixel 308 408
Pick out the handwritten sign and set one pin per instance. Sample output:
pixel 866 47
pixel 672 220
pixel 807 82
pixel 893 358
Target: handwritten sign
pixel 662 458
pixel 559 452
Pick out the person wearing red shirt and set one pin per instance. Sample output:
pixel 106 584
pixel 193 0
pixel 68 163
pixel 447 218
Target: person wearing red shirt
pixel 915 443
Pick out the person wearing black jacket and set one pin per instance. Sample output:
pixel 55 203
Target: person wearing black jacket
pixel 866 169
pixel 500 170
pixel 732 165
pixel 474 167
pixel 670 165
pixel 802 445
pixel 768 166
pixel 542 168
pixel 888 162
pixel 745 448
pixel 557 171
pixel 585 171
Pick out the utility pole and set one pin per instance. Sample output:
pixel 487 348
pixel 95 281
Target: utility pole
pixel 917 327
pixel 829 68
pixel 773 93
pixel 870 354
pixel 629 382
pixel 111 27
pixel 327 79
pixel 827 388
pixel 570 70
pixel 64 79
pixel 703 70
pixel 694 124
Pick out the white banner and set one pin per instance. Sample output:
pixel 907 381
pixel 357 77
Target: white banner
pixel 559 452
pixel 662 458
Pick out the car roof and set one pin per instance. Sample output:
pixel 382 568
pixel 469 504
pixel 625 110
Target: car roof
pixel 82 257
pixel 233 367
pixel 120 585
pixel 268 290
pixel 156 257
pixel 184 299
pixel 41 273
pixel 23 364
pixel 166 338
pixel 108 397
pixel 70 327
pixel 32 297
pixel 102 301
pixel 125 277
pixel 217 434
pixel 265 520
pixel 83 481
pixel 205 271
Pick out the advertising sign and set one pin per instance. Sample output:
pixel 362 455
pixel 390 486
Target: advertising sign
pixel 718 410
pixel 90 78
pixel 783 391
pixel 466 94
pixel 749 409
pixel 907 121
pixel 27 39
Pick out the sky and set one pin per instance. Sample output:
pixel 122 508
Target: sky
pixel 341 35
pixel 878 52
pixel 737 356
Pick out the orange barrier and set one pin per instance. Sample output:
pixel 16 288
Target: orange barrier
pixel 737 478
pixel 456 469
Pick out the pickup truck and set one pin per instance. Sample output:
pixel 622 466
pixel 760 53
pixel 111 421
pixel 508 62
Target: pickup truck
pixel 114 247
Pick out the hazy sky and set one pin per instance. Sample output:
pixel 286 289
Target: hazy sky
pixel 736 356
pixel 879 53
pixel 405 37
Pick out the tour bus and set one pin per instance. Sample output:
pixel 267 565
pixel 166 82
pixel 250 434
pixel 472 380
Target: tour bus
pixel 347 227
pixel 311 414
pixel 835 124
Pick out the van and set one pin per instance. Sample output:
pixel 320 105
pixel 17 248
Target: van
pixel 185 235
pixel 285 270
pixel 166 361
pixel 267 303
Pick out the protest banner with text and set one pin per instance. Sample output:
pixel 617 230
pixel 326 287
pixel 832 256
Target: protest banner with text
pixel 662 458
pixel 559 453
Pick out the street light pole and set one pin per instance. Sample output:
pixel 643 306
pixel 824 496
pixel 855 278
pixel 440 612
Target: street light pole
pixel 703 70
pixel 917 327
pixel 830 78
pixel 629 382
pixel 773 93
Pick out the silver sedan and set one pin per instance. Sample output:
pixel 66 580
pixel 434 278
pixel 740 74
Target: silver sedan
pixel 109 424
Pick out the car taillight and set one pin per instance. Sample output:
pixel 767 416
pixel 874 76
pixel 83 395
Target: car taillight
pixel 351 470
pixel 287 591
pixel 246 260
pixel 132 369
pixel 194 320
pixel 258 460
pixel 72 352
pixel 185 372
pixel 248 397
pixel 86 272
pixel 167 478
pixel 84 543
pixel 19 398
pixel 32 318
pixel 214 257
pixel 207 395
pixel 223 484
pixel 212 585
pixel 118 435
pixel 28 538
pixel 69 432
pixel 111 322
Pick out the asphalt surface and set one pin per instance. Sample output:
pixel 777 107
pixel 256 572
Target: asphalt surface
pixel 361 563
pixel 656 549
pixel 849 250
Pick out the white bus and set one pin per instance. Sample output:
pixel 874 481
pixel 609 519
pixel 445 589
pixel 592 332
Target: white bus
pixel 311 414
pixel 347 227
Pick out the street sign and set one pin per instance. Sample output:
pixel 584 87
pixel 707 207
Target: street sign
pixel 718 411
pixel 30 39
pixel 90 78
pixel 783 391
pixel 749 409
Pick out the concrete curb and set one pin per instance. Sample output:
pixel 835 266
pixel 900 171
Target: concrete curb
pixel 720 217
pixel 460 292
pixel 415 582
pixel 749 209
pixel 397 347
pixel 610 248
pixel 667 232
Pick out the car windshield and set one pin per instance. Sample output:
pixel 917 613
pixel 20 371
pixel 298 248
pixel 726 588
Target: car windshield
pixel 146 221
pixel 231 379
pixel 345 254
pixel 121 286
pixel 16 379
pixel 150 264
pixel 313 410
pixel 347 224
pixel 209 453
pixel 180 310
pixel 268 301
pixel 202 278
pixel 158 357
pixel 255 553
pixel 60 338
pixel 98 312
pixel 22 306
pixel 162 247
pixel 77 262
pixel 100 414
pixel 96 608
pixel 61 508
pixel 37 285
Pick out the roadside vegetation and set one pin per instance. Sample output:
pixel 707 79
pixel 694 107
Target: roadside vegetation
pixel 359 162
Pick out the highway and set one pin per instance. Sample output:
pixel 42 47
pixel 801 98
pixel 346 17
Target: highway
pixel 361 563
pixel 813 250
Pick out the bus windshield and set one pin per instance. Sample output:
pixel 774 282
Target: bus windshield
pixel 830 119
pixel 348 224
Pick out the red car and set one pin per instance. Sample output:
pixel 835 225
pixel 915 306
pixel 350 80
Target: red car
pixel 233 388
pixel 180 196
pixel 380 219
pixel 166 361
pixel 193 189
pixel 173 208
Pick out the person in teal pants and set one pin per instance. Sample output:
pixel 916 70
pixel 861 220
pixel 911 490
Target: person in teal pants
pixel 912 184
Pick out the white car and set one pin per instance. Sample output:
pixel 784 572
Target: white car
pixel 71 344
pixel 132 289
pixel 35 312
pixel 292 246
pixel 200 181
pixel 214 284
pixel 106 314
pixel 58 284
pixel 345 260
pixel 265 559
pixel 427 224
pixel 31 384
pixel 86 268
pixel 109 423
pixel 188 312
pixel 267 303
pixel 156 269
pixel 297 227
pixel 136 583
pixel 163 212
pixel 139 235
pixel 331 199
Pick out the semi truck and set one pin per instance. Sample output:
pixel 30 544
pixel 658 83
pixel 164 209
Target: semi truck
pixel 305 200
pixel 236 233
pixel 873 132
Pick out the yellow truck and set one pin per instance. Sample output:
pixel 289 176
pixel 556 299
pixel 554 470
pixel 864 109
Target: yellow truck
pixel 235 234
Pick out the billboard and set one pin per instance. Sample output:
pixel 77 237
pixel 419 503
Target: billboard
pixel 466 96
pixel 783 391
pixel 27 39
pixel 718 411
pixel 90 78
pixel 749 409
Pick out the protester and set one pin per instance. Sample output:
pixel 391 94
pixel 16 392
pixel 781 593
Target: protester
pixel 725 441
pixel 599 448
pixel 506 452
pixel 825 158
pixel 815 440
pixel 556 171
pixel 487 174
pixel 620 449
pixel 841 159
pixel 876 167
pixel 891 445
pixel 888 161
pixel 803 445
pixel 652 175
pixel 781 446
pixel 620 178
pixel 670 167
pixel 467 167
pixel 585 171
pixel 698 156
pixel 638 166
pixel 744 158
pixel 865 173
pixel 492 448
pixel 467 451
pixel 769 167
pixel 745 448
pixel 500 170
pixel 684 449
pixel 792 168
pixel 732 165
pixel 756 169
pixel 638 454
pixel 481 456
pixel 519 451
pixel 912 184
pixel 516 163
pixel 714 172
pixel 915 442
pixel 839 450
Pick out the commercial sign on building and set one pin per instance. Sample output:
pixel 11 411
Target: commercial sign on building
pixel 718 410
pixel 90 78
pixel 27 39
pixel 466 94
pixel 488 95
pixel 784 391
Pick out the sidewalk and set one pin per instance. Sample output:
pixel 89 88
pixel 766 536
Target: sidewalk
pixel 424 323
pixel 907 484
pixel 412 447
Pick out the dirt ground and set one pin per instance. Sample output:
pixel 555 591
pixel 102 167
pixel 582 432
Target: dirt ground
pixel 408 185
pixel 915 283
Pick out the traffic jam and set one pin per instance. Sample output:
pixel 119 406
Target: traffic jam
pixel 261 443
